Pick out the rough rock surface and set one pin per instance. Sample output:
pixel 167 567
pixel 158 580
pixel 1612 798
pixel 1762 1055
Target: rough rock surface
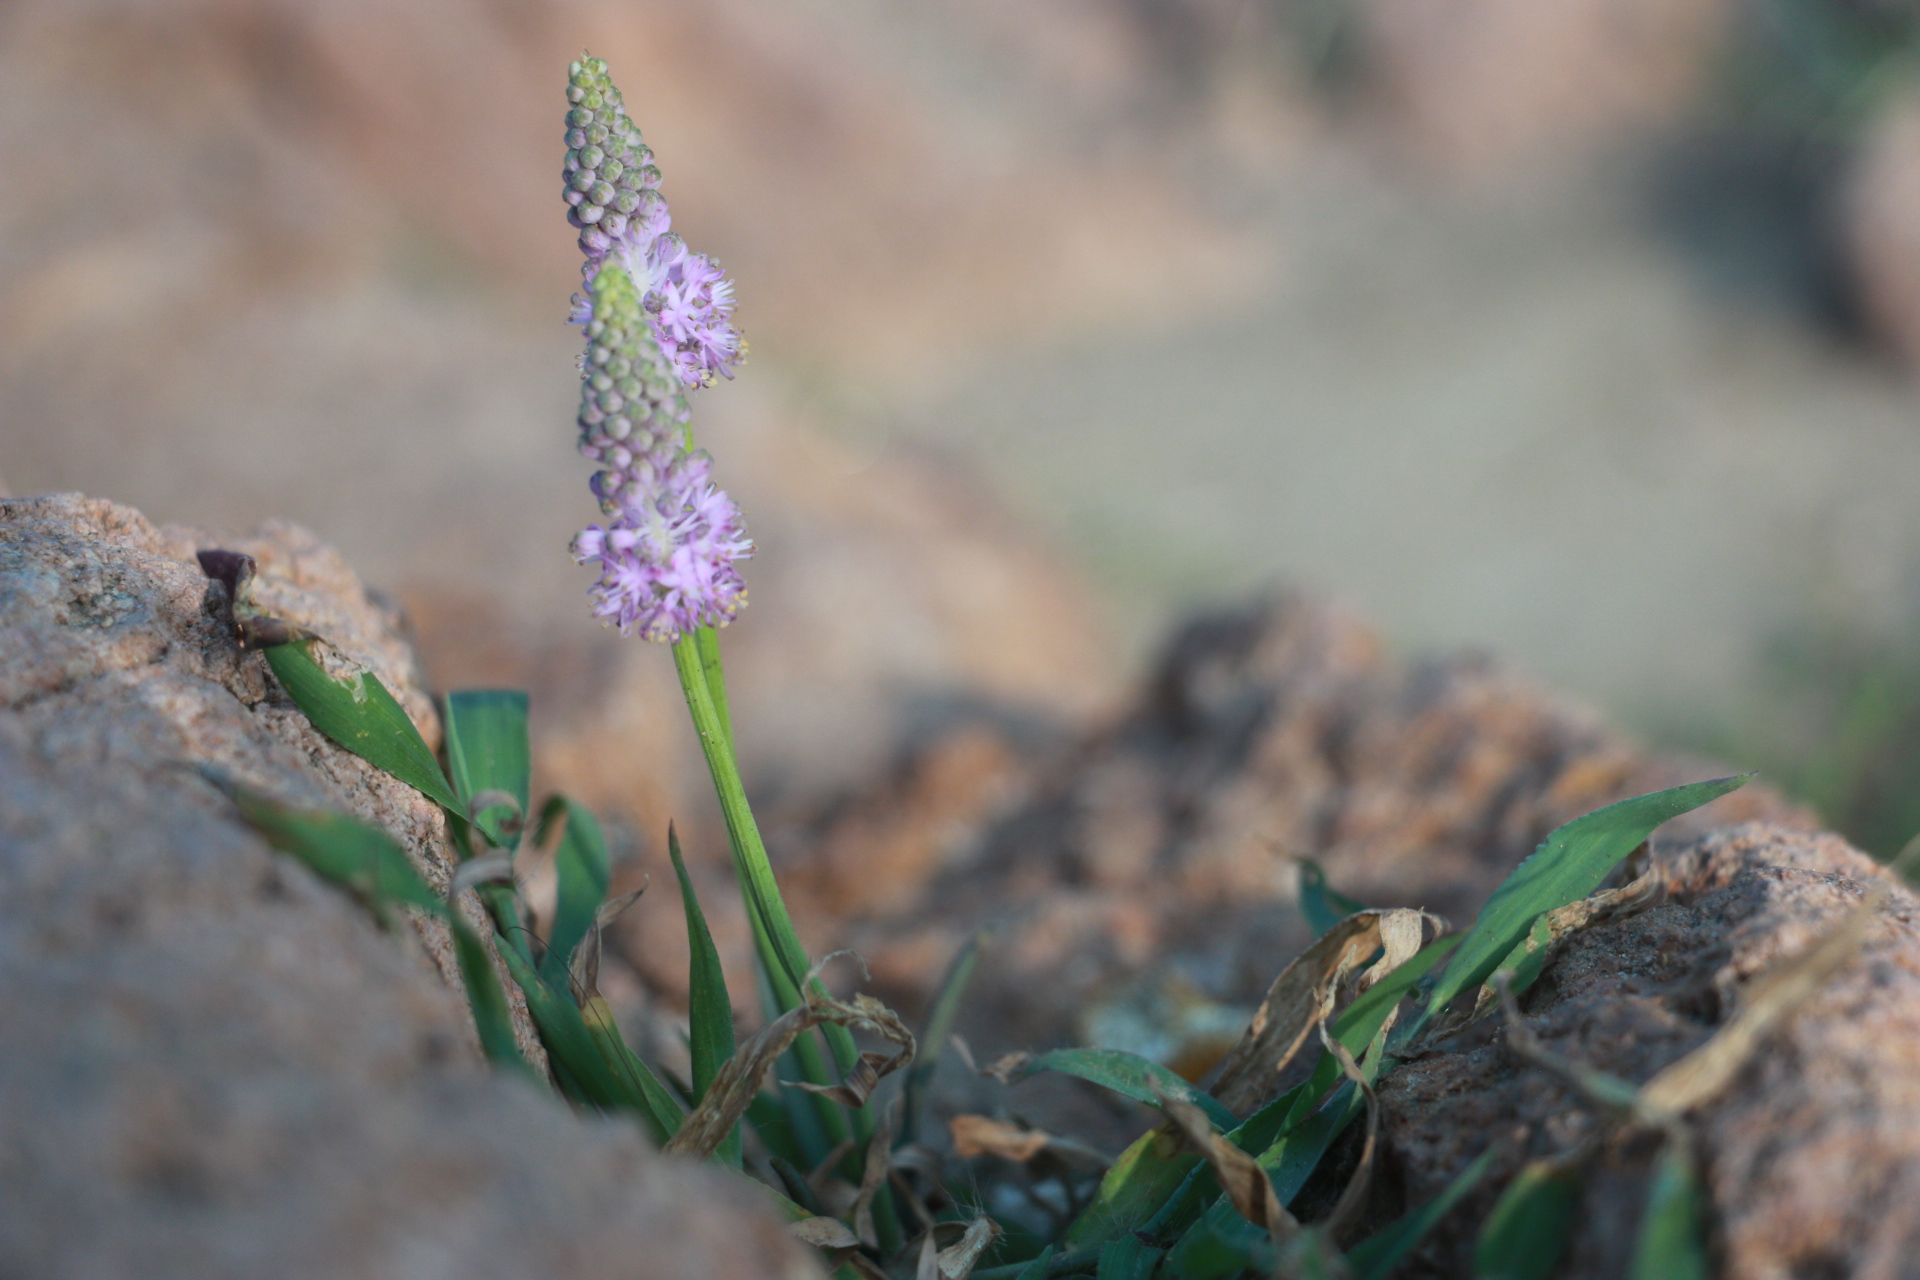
pixel 1813 1153
pixel 215 1066
pixel 1164 844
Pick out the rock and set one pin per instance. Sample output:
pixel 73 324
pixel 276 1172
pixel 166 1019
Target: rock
pixel 1813 1153
pixel 215 1065
pixel 1163 845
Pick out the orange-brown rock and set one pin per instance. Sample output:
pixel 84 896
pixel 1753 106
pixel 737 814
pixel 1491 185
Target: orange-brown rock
pixel 1811 1154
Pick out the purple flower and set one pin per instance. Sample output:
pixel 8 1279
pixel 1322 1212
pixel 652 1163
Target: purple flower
pixel 610 184
pixel 667 559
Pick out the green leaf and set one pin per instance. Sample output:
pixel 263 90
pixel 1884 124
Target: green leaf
pixel 1219 1247
pixel 1127 1258
pixel 710 1009
pixel 933 1035
pixel 580 864
pixel 1528 958
pixel 356 855
pixel 1672 1244
pixel 360 715
pixel 1569 864
pixel 1289 1162
pixel 491 1015
pixel 1037 1269
pixel 581 1060
pixel 1524 1236
pixel 1127 1074
pixel 1375 1257
pixel 1322 907
pixel 487 751
pixel 634 1075
pixel 371 864
pixel 1135 1187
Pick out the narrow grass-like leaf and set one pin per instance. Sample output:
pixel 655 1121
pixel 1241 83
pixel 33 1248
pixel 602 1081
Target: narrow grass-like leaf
pixel 1569 864
pixel 487 752
pixel 634 1075
pixel 934 1033
pixel 1289 1162
pixel 1127 1074
pixel 1127 1258
pixel 360 715
pixel 1375 1257
pixel 1135 1188
pixel 1319 903
pixel 580 865
pixel 485 997
pixel 1525 1235
pixel 580 1059
pixel 371 864
pixel 1216 1248
pixel 1672 1245
pixel 1037 1268
pixel 356 855
pixel 710 1009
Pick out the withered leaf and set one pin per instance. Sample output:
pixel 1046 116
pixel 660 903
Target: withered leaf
pixel 825 1233
pixel 738 1081
pixel 1353 1200
pixel 1246 1184
pixel 984 1136
pixel 956 1261
pixel 1303 996
pixel 872 1176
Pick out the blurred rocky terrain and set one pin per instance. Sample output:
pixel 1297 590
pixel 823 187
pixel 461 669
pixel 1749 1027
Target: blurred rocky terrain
pixel 222 1068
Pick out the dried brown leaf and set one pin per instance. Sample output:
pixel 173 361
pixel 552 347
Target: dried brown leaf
pixel 872 1177
pixel 956 1261
pixel 984 1136
pixel 1353 1200
pixel 1007 1067
pixel 739 1080
pixel 1247 1186
pixel 1773 998
pixel 859 1084
pixel 1401 935
pixel 822 1172
pixel 825 1233
pixel 928 1267
pixel 1300 998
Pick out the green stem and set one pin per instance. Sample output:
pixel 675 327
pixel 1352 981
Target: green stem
pixel 696 659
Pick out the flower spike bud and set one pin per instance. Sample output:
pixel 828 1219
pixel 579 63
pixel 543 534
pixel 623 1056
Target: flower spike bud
pixel 610 185
pixel 631 403
pixel 608 168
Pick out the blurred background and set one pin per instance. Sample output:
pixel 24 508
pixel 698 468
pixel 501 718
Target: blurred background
pixel 1587 332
